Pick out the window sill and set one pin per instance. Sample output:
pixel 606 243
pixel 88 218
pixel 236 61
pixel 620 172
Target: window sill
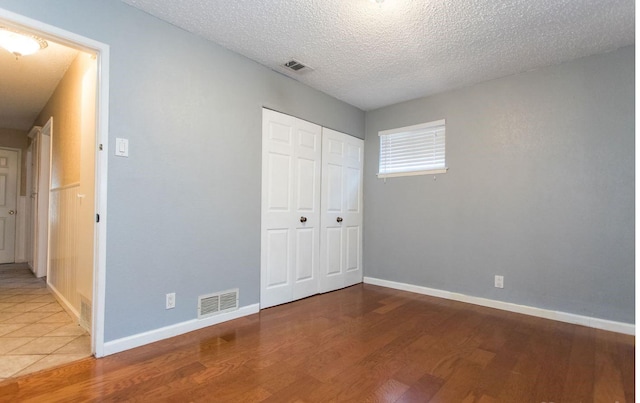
pixel 414 173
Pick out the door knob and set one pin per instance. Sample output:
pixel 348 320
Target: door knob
pixel 303 219
pixel 11 212
pixel 339 219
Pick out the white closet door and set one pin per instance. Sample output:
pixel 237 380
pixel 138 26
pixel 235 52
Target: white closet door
pixel 341 233
pixel 291 152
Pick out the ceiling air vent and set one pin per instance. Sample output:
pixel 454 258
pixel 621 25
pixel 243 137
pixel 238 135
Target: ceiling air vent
pixel 213 304
pixel 297 66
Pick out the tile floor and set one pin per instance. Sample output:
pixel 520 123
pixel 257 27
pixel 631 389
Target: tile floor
pixel 35 331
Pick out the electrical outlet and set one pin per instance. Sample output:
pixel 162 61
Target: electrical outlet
pixel 171 300
pixel 498 282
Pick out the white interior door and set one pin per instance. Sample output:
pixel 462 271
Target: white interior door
pixel 8 201
pixel 341 233
pixel 291 169
pixel 42 185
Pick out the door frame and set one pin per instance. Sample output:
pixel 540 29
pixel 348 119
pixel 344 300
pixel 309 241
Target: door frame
pixel 101 50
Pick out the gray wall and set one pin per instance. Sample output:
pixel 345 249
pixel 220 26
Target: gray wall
pixel 184 208
pixel 540 189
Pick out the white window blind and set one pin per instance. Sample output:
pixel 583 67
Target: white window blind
pixel 413 150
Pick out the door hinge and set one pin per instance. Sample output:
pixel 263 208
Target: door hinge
pixel 100 147
pixel 97 217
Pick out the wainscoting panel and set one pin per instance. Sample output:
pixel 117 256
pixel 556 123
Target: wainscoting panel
pixel 63 253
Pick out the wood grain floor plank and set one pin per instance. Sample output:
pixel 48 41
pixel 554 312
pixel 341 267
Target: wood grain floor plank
pixel 626 365
pixel 390 391
pixel 422 390
pixel 364 343
pixel 553 353
pixel 608 385
pixel 456 387
pixel 499 366
pixel 175 378
pixel 578 386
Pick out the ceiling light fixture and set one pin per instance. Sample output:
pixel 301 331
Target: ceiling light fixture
pixel 20 44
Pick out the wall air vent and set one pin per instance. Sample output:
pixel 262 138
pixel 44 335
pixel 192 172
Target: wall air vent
pixel 297 66
pixel 213 304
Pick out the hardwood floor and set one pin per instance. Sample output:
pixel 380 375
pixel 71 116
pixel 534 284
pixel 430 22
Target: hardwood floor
pixel 363 343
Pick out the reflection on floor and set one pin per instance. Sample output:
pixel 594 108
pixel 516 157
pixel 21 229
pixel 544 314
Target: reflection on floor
pixel 35 331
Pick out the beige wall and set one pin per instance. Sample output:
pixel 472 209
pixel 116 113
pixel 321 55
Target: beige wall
pixel 65 105
pixel 17 139
pixel 72 107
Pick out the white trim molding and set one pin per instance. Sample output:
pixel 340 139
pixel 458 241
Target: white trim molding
pixel 596 323
pixel 140 339
pixel 64 303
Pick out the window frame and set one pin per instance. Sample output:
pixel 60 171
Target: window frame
pixel 414 129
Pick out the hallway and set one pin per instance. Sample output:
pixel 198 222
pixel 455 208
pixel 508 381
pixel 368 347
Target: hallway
pixel 35 331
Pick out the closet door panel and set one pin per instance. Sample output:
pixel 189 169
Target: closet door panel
pixel 333 263
pixel 353 215
pixel 278 253
pixel 308 143
pixel 353 189
pixel 306 263
pixel 279 174
pixel 306 185
pixel 353 248
pixel 290 219
pixel 341 232
pixel 332 176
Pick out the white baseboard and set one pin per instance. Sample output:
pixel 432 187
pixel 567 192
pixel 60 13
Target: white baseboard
pixel 140 339
pixel 64 303
pixel 618 327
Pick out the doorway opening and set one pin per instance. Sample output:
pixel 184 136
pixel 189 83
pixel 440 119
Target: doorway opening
pixel 66 190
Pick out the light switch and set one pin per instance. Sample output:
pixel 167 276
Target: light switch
pixel 122 147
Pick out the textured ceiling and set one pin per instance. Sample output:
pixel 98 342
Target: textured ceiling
pixel 372 56
pixel 27 83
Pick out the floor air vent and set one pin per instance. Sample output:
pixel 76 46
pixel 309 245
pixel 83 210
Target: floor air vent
pixel 213 304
